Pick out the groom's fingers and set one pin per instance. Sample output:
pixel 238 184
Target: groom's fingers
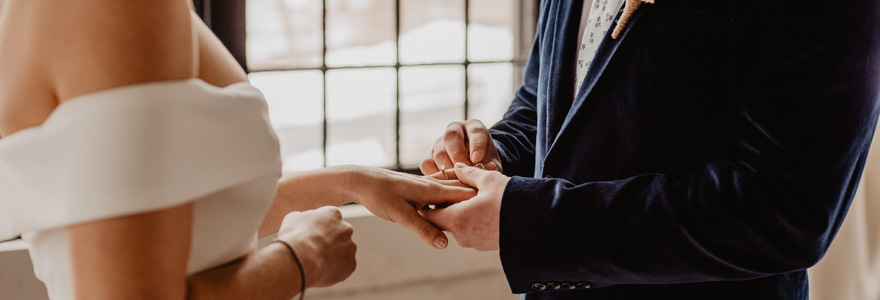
pixel 443 218
pixel 440 156
pixel 478 140
pixel 454 140
pixel 447 174
pixel 428 166
pixel 471 176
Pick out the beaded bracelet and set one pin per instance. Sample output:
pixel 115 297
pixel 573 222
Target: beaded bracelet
pixel 302 270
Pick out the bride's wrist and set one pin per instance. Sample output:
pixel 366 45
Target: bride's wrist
pixel 292 262
pixel 353 186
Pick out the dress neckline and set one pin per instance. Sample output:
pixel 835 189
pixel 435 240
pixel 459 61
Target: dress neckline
pixel 86 99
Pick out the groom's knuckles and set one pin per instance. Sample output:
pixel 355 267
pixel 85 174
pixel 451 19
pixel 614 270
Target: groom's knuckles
pixel 477 136
pixel 492 166
pixel 475 127
pixel 453 135
pixel 458 154
pixel 454 142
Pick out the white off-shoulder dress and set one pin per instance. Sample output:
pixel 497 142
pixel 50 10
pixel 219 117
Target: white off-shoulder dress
pixel 138 149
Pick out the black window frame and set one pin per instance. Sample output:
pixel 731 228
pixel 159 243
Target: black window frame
pixel 227 19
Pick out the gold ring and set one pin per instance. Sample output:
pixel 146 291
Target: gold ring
pixel 480 165
pixel 444 174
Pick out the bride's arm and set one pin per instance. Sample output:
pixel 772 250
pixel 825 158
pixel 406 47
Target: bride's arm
pixel 216 64
pixel 393 196
pixel 144 256
pixel 94 45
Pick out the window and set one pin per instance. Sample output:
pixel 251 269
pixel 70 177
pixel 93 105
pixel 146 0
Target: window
pixel 375 82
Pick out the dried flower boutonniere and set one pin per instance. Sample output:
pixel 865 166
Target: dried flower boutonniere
pixel 628 9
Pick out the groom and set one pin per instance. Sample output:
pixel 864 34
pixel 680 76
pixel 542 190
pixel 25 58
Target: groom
pixel 710 151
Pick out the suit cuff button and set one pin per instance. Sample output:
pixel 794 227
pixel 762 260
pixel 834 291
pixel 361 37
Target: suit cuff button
pixel 548 177
pixel 566 286
pixel 552 285
pixel 538 286
pixel 583 285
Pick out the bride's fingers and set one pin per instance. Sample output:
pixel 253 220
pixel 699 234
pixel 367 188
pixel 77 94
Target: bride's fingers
pixel 438 176
pixel 443 195
pixel 412 220
pixel 427 166
pixel 454 194
pixel 455 183
pixel 447 174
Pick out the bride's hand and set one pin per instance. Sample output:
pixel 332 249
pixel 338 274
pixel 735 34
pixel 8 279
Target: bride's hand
pixel 322 241
pixel 397 197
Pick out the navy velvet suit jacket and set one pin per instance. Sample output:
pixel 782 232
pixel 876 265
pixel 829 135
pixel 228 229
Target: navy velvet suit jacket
pixel 711 153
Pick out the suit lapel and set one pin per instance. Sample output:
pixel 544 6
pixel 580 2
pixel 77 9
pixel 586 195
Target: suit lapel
pixel 560 85
pixel 604 54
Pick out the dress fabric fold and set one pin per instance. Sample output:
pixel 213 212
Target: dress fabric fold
pixel 131 150
pixel 137 149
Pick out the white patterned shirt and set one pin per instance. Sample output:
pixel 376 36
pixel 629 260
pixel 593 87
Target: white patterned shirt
pixel 596 20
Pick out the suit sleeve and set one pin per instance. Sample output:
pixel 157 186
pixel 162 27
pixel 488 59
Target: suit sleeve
pixel 807 107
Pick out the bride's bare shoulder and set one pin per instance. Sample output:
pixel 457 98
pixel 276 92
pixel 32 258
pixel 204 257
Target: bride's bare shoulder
pixel 92 45
pixel 52 51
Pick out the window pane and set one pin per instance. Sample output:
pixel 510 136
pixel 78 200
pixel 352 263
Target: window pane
pixel 295 109
pixel 431 31
pixel 490 91
pixel 490 34
pixel 430 98
pixel 283 34
pixel 360 33
pixel 360 117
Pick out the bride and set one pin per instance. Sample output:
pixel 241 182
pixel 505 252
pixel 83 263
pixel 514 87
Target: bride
pixel 138 163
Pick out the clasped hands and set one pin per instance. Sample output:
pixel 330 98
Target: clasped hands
pixel 453 196
pixel 473 223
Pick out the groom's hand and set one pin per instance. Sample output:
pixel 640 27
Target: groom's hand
pixel 474 223
pixel 467 142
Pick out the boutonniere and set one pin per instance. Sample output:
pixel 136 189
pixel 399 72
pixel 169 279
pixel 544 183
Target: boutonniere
pixel 628 9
